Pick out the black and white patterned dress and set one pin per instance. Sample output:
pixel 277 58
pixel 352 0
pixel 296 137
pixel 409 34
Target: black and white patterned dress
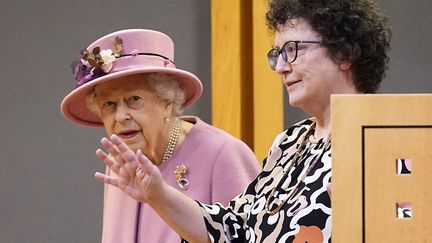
pixel 304 217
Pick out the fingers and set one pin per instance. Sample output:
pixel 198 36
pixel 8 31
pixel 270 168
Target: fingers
pixel 108 161
pixel 107 179
pixel 112 150
pixel 124 150
pixel 121 159
pixel 143 162
pixel 118 149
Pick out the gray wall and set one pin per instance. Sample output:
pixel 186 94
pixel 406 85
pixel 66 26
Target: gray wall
pixel 47 189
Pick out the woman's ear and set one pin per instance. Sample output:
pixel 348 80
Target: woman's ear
pixel 345 66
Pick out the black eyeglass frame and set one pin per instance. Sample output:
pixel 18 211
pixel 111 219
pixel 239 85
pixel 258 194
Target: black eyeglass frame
pixel 272 59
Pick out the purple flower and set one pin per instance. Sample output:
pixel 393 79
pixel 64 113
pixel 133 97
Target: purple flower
pixel 95 64
pixel 81 73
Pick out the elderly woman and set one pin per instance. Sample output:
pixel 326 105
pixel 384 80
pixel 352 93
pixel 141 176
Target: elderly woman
pixel 127 83
pixel 321 47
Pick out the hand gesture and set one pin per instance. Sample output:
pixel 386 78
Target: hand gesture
pixel 134 174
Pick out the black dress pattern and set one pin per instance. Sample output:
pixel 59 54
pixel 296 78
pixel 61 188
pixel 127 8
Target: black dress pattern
pixel 304 217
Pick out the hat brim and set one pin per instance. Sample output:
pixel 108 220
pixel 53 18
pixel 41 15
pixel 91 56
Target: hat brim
pixel 74 107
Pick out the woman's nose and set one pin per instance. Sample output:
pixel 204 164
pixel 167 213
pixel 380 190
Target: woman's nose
pixel 282 67
pixel 122 113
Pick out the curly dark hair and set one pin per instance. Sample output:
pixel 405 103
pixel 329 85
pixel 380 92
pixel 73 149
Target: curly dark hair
pixel 354 31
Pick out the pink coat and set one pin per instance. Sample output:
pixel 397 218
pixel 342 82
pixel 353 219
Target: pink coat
pixel 219 167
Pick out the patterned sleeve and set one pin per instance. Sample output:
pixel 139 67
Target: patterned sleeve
pixel 226 224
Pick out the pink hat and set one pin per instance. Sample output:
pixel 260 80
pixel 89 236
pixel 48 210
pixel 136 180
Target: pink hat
pixel 119 54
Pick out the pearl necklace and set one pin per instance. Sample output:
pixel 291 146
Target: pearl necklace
pixel 172 142
pixel 272 199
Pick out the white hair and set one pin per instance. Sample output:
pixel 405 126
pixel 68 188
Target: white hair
pixel 164 86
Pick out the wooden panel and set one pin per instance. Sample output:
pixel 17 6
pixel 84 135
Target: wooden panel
pixel 267 86
pixel 226 65
pixel 246 94
pixel 384 187
pixel 354 201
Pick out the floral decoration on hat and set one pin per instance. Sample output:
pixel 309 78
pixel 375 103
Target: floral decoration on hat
pixel 96 63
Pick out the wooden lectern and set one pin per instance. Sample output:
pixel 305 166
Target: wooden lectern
pixel 371 135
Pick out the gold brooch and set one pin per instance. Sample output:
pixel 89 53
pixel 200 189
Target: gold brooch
pixel 180 174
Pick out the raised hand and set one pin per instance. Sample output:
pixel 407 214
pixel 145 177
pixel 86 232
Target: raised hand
pixel 133 173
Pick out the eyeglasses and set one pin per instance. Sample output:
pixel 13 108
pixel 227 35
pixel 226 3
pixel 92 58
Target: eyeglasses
pixel 288 52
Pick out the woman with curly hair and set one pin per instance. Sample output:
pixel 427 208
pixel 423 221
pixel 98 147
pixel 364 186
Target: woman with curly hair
pixel 321 47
